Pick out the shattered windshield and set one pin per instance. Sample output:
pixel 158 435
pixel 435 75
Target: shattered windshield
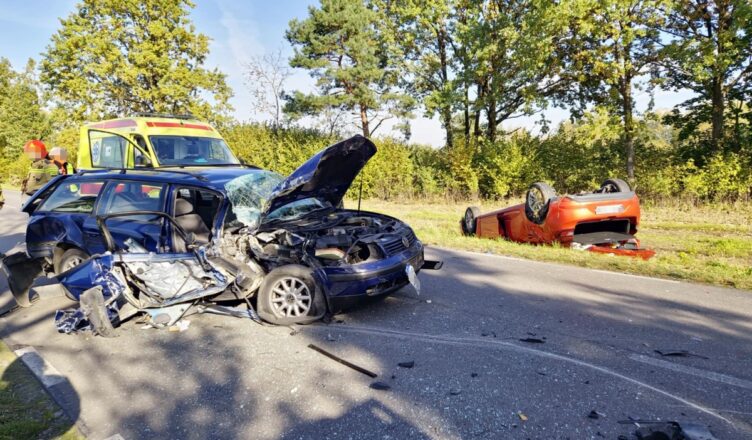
pixel 298 209
pixel 250 193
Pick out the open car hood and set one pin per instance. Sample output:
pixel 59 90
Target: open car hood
pixel 326 176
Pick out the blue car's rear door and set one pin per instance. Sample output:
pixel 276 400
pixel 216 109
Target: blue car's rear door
pixel 122 196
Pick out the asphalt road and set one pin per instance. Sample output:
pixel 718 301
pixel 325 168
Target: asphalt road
pixel 472 376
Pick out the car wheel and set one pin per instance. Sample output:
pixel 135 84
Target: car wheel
pixel 537 201
pixel 70 259
pixel 469 220
pixel 289 295
pixel 615 186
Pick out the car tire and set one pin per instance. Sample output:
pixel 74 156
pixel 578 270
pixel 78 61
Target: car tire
pixel 290 295
pixel 615 186
pixel 469 221
pixel 537 200
pixel 70 259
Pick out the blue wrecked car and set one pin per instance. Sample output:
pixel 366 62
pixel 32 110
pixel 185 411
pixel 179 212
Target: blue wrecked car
pixel 165 242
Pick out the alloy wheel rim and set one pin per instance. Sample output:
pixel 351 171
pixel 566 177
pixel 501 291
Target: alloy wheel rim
pixel 535 200
pixel 291 298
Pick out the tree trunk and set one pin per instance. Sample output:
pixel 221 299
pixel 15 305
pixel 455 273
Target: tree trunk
pixel 446 111
pixel 467 114
pixel 491 113
pixel 364 120
pixel 717 116
pixel 479 98
pixel 626 97
pixel 447 117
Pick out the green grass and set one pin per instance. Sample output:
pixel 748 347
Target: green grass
pixel 26 410
pixel 708 244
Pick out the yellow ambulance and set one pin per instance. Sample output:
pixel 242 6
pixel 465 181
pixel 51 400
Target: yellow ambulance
pixel 152 141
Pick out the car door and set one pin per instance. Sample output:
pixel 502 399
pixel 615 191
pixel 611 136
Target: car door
pixel 62 216
pixel 111 150
pixel 131 196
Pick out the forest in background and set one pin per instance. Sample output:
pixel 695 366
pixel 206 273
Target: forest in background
pixel 475 65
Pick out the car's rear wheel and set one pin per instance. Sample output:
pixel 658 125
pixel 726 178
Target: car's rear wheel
pixel 537 201
pixel 70 259
pixel 289 295
pixel 615 186
pixel 469 221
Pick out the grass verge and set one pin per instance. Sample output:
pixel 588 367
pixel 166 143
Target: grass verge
pixel 708 244
pixel 26 410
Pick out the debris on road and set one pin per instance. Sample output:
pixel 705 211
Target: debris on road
pixel 522 416
pixel 380 386
pixel 679 353
pixel 180 326
pixel 455 391
pixel 342 361
pixel 408 364
pixel 533 340
pixel 660 431
pixel 669 430
pixel 595 415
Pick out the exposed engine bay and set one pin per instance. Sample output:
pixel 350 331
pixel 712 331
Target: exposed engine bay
pixel 342 237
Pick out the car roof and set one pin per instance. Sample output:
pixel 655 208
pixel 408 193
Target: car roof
pixel 209 177
pixel 157 125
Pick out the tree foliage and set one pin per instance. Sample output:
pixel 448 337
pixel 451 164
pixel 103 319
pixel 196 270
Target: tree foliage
pixel 22 117
pixel 114 57
pixel 341 45
pixel 710 53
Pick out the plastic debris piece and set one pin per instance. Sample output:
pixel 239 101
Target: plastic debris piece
pixel 659 431
pixel 696 431
pixel 455 391
pixel 342 361
pixel 408 364
pixel 679 353
pixel 533 340
pixel 180 326
pixel 380 386
pixel 522 416
pixel 595 415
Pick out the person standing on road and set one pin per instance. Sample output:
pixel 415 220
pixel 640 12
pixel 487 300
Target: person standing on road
pixel 41 170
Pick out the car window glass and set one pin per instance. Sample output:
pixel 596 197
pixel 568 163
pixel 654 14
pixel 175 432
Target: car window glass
pixel 132 196
pixel 76 197
pixel 139 158
pixel 191 150
pixel 107 150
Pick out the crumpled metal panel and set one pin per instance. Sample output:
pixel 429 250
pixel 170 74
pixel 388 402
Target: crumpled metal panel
pixel 171 279
pixel 74 320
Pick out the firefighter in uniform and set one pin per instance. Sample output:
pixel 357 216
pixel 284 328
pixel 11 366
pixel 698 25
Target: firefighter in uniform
pixel 41 170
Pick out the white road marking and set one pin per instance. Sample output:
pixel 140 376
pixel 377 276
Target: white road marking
pixel 484 343
pixel 43 370
pixel 710 375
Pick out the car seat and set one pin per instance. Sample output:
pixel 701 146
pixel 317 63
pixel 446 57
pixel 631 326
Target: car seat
pixel 191 222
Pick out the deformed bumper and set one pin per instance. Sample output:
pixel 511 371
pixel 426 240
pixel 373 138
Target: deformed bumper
pixel 348 288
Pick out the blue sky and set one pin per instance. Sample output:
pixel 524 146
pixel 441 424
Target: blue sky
pixel 239 30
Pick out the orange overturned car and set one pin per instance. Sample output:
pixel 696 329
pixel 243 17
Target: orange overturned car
pixel 604 220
